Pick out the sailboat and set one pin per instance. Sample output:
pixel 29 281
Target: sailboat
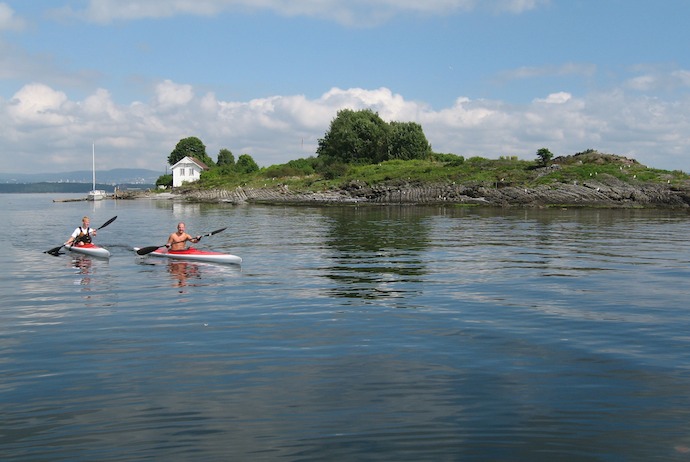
pixel 95 194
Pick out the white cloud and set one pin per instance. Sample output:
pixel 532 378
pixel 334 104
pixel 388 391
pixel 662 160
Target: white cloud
pixel 38 104
pixel 169 94
pixel 100 104
pixel 555 98
pixel 682 77
pixel 656 80
pixel 8 20
pixel 40 125
pixel 643 83
pixel 343 11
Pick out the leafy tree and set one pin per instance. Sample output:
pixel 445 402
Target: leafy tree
pixel 192 147
pixel 298 167
pixel 355 136
pixel 245 164
pixel 165 180
pixel 363 137
pixel 544 156
pixel 225 157
pixel 407 141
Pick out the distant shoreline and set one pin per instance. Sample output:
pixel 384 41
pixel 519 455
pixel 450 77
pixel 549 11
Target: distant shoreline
pixel 66 188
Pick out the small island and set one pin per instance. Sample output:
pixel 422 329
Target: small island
pixel 588 179
pixel 363 160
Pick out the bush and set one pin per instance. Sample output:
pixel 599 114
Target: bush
pixel 165 180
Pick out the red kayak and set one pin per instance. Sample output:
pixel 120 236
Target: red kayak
pixel 194 254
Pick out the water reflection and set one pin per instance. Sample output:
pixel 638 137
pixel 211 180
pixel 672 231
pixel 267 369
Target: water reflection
pixel 184 274
pixel 182 209
pixel 84 266
pixel 377 252
pixel 94 283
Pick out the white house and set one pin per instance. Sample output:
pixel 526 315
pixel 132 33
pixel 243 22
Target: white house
pixel 187 170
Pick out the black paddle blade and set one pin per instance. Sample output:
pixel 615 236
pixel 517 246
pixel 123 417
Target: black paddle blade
pixel 147 250
pixel 107 222
pixel 215 232
pixel 55 251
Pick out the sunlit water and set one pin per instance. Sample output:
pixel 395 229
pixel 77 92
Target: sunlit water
pixel 378 333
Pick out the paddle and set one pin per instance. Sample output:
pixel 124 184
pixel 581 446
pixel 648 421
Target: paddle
pixel 153 248
pixel 56 250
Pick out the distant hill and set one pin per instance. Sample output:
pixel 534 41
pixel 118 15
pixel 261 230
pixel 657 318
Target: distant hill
pixel 117 176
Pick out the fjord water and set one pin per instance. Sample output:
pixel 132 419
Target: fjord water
pixel 348 333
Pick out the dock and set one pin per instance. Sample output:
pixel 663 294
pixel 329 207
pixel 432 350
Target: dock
pixel 69 200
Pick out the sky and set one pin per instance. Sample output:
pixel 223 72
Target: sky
pixel 486 78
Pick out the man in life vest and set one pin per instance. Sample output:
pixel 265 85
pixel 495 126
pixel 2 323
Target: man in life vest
pixel 82 234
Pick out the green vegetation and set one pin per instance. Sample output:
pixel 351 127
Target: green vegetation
pixel 308 174
pixel 192 147
pixel 225 157
pixel 361 149
pixel 363 137
pixel 165 180
pixel 544 156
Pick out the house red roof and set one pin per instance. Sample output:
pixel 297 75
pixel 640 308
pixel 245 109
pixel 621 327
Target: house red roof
pixel 201 165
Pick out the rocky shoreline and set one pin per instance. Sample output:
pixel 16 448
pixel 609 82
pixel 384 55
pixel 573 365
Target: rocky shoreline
pixel 604 191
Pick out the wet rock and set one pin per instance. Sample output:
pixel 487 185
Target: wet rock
pixel 604 191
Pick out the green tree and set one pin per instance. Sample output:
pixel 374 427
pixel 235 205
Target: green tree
pixel 297 167
pixel 165 180
pixel 245 164
pixel 355 137
pixel 407 141
pixel 192 147
pixel 225 157
pixel 544 156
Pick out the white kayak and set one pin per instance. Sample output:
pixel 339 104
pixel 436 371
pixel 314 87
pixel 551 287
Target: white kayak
pixel 196 255
pixel 92 250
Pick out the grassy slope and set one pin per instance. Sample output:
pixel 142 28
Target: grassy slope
pixel 475 171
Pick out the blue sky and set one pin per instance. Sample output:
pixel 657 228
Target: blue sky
pixel 484 78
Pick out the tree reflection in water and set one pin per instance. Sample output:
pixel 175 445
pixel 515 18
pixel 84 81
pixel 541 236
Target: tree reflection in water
pixel 377 253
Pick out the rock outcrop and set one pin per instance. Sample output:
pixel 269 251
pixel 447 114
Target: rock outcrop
pixel 604 191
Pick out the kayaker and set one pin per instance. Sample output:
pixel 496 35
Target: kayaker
pixel 82 234
pixel 177 240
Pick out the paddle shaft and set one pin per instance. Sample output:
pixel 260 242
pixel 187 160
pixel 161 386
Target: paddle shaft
pixel 55 250
pixel 153 248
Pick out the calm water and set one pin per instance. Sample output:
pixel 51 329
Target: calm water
pixel 396 334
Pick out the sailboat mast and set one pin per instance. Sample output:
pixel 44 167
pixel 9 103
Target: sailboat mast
pixel 93 163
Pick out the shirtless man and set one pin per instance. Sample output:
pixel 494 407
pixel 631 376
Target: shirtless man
pixel 176 240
